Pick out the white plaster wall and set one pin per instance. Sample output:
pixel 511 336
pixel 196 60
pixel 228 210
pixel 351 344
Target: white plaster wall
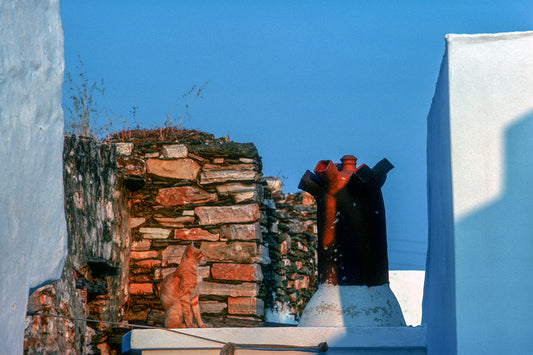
pixel 438 305
pixel 480 163
pixel 33 234
pixel 408 287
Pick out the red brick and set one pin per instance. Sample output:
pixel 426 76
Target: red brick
pixel 141 289
pixel 238 272
pixel 246 306
pixel 183 195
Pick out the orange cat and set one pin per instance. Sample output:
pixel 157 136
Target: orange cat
pixel 180 291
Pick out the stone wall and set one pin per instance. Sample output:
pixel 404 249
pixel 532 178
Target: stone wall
pixel 291 234
pixel 132 208
pixel 94 277
pixel 209 194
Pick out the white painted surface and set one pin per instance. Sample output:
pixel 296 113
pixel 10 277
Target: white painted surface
pixel 352 306
pixel 408 287
pixel 480 162
pixel 490 88
pixel 340 340
pixel 33 234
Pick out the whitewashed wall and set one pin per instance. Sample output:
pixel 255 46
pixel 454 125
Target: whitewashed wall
pixel 480 162
pixel 33 233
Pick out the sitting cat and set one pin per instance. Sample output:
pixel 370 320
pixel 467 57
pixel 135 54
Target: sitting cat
pixel 180 291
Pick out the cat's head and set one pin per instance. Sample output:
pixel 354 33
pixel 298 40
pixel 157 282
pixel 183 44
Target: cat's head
pixel 194 253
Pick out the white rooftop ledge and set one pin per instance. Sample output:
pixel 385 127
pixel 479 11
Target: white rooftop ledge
pixel 340 340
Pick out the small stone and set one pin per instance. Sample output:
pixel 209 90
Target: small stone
pixel 124 148
pixel 284 247
pixel 296 227
pixel 238 272
pixel 135 222
pixel 183 195
pixel 247 160
pixel 240 252
pixel 186 169
pixel 233 290
pixel 188 213
pixel 173 254
pixel 307 199
pixel 270 204
pixel 152 155
pixel 139 278
pixel 218 176
pixel 137 255
pixel 194 234
pixel 227 189
pixel 241 232
pixel 176 222
pixel 175 151
pixel 141 245
pixel 141 289
pixel 138 316
pixel 218 161
pixel 131 165
pixel 212 307
pixel 263 256
pixel 148 264
pixel 251 196
pixel 246 305
pixel 155 233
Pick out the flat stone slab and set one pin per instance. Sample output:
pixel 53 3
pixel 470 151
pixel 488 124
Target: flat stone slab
pixel 340 340
pixel 227 214
pixel 185 169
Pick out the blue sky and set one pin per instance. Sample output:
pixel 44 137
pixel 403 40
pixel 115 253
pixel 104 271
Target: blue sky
pixel 304 81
